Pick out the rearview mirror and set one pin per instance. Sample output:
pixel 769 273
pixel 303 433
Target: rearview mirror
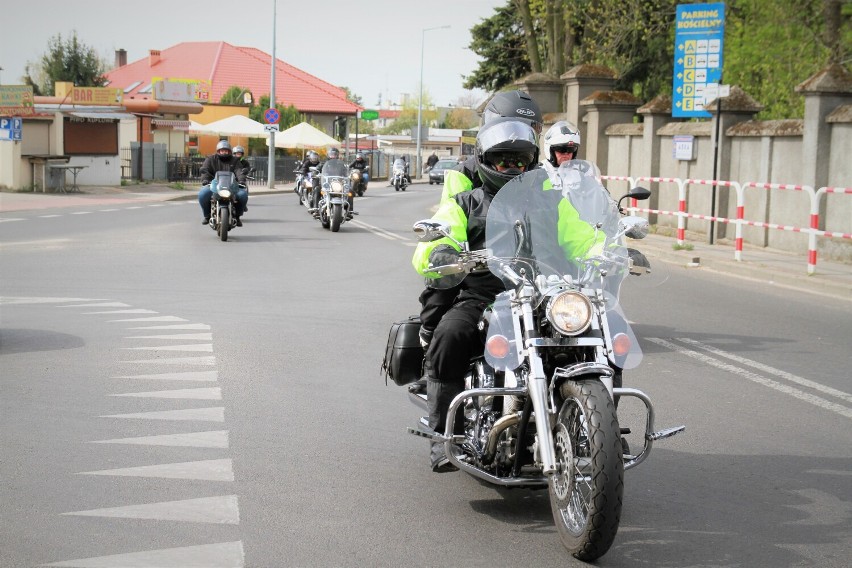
pixel 428 230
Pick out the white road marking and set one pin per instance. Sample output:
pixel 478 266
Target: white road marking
pixel 81 212
pixel 15 300
pixel 134 207
pixel 378 231
pixel 759 379
pixel 187 326
pixel 220 555
pixel 155 318
pixel 5 219
pixel 49 216
pixel 771 370
pixel 205 347
pixel 214 414
pixel 210 393
pixel 98 305
pixel 41 243
pixel 211 360
pixel 211 439
pixel 202 336
pixel 130 311
pixel 222 510
pixel 106 210
pixel 185 376
pixel 205 470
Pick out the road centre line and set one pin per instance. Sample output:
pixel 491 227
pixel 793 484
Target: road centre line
pixel 767 369
pixel 759 379
pixel 380 232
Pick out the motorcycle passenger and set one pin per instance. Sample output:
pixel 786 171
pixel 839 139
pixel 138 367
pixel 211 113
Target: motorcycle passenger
pixel 505 148
pixel 221 161
pixel 239 152
pixel 560 144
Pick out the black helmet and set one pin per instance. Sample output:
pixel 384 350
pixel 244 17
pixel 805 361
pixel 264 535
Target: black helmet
pixel 513 104
pixel 508 143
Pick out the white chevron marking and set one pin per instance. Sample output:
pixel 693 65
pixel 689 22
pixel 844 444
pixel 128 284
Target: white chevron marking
pixel 214 414
pixel 205 470
pixel 211 439
pixel 220 555
pixel 211 360
pixel 200 336
pixel 184 376
pixel 210 393
pixel 206 347
pixel 222 510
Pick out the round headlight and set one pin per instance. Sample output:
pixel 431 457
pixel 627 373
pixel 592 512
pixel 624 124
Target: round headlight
pixel 336 186
pixel 570 313
pixel 225 193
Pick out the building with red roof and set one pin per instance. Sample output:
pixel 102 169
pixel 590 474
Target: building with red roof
pixel 218 66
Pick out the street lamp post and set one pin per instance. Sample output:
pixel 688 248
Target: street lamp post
pixel 418 166
pixel 271 168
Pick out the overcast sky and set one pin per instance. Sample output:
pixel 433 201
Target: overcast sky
pixel 371 46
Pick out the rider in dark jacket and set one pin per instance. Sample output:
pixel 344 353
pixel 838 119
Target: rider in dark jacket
pixel 435 303
pixel 222 161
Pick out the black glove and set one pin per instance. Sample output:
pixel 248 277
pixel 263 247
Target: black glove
pixel 443 255
pixel 425 337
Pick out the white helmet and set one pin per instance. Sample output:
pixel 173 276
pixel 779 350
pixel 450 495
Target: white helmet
pixel 562 135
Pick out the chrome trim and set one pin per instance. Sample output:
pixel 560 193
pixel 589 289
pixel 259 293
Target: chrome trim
pixel 565 342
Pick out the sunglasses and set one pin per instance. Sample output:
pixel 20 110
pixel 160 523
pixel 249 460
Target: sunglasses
pixel 510 160
pixel 565 148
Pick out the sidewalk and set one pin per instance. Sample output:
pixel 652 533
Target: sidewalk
pixel 764 266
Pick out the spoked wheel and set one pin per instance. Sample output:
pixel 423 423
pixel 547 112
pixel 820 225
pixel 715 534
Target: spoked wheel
pixel 586 491
pixel 224 223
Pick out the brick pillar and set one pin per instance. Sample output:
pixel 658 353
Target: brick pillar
pixel 580 82
pixel 655 114
pixel 604 109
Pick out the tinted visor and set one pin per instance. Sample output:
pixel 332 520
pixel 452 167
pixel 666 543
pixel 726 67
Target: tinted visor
pixel 504 135
pixel 564 148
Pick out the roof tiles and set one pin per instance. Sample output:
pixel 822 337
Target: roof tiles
pixel 225 65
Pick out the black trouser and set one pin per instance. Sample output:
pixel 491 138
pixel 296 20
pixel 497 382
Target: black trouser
pixel 456 340
pixel 434 303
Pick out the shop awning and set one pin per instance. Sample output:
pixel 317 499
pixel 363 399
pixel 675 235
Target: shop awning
pixel 104 115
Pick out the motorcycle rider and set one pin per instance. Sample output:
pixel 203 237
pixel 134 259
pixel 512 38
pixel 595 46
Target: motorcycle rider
pixel 222 161
pixel 505 148
pixel 359 163
pixel 312 160
pixel 435 302
pixel 239 152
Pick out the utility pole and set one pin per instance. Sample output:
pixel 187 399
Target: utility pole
pixel 272 104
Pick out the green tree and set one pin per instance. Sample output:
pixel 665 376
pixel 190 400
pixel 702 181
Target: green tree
pixel 352 98
pixel 68 60
pixel 236 95
pixel 407 119
pixel 499 42
pixel 463 118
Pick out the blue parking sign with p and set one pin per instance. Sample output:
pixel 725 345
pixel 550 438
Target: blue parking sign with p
pixel 11 129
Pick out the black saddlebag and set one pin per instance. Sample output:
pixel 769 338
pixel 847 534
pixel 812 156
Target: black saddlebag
pixel 403 361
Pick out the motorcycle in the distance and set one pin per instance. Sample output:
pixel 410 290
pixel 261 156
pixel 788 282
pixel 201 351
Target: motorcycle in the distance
pixel 399 174
pixel 540 406
pixel 223 203
pixel 356 178
pixel 308 188
pixel 335 202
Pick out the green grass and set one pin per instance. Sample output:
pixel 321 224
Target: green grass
pixel 685 246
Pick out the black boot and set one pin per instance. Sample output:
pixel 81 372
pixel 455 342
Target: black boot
pixel 439 397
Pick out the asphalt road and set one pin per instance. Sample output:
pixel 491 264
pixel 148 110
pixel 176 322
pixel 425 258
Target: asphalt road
pixel 171 400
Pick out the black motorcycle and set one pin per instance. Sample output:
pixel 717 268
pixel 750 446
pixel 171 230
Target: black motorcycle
pixel 223 203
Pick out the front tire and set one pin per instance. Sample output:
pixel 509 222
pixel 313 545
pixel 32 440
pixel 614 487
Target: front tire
pixel 396 184
pixel 586 491
pixel 336 217
pixel 224 223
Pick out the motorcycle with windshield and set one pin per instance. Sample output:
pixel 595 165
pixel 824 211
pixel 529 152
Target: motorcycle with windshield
pixel 540 405
pixel 335 201
pixel 308 188
pixel 223 203
pixel 399 174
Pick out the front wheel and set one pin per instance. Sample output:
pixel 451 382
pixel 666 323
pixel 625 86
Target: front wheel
pixel 336 217
pixel 396 184
pixel 586 490
pixel 224 223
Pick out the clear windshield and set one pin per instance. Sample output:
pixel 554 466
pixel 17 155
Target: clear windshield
pixel 523 235
pixel 335 168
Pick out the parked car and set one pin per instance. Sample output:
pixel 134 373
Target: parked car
pixel 436 174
